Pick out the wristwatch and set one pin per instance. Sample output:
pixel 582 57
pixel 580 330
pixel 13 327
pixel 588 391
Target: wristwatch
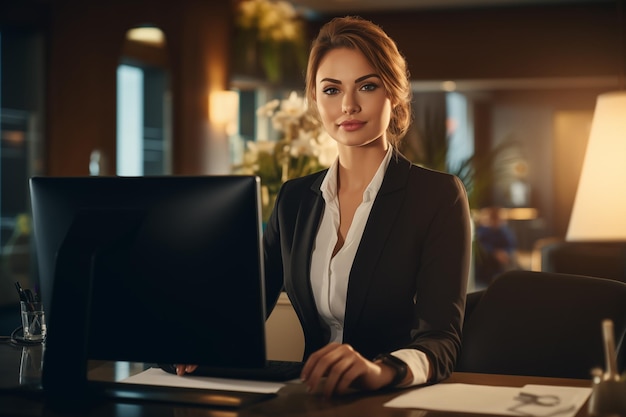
pixel 397 364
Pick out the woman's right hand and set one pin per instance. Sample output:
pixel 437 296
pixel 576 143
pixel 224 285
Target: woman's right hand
pixel 343 369
pixel 182 369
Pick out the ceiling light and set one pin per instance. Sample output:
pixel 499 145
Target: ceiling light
pixel 150 35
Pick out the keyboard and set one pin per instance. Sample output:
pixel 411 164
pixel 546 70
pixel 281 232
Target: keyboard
pixel 274 371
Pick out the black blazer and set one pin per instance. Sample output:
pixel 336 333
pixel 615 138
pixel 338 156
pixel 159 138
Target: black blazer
pixel 408 281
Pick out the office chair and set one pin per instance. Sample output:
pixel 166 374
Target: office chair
pixel 542 324
pixel 597 259
pixel 471 301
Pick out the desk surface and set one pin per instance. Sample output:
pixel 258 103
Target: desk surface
pixel 292 400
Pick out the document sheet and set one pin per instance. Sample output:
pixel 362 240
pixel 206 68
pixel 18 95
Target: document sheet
pixel 530 400
pixel 157 376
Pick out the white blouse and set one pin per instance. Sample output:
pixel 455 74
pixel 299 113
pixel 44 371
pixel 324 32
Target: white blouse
pixel 329 275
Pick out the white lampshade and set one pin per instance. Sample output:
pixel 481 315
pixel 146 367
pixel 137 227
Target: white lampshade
pixel 599 212
pixel 224 106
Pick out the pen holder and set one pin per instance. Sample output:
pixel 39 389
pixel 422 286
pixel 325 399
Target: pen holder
pixel 33 321
pixel 608 398
pixel 31 364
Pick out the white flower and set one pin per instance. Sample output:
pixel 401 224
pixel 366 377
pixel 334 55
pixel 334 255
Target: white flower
pixel 303 148
pixel 288 31
pixel 294 107
pixel 274 20
pixel 254 148
pixel 273 37
pixel 326 149
pixel 268 109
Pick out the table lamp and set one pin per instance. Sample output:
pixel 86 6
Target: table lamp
pixel 599 212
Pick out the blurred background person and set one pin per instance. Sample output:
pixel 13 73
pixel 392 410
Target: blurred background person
pixel 496 245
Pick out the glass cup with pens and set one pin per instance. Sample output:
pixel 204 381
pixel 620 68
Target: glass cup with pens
pixel 33 317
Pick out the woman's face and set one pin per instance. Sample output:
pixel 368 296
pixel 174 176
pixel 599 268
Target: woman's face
pixel 351 99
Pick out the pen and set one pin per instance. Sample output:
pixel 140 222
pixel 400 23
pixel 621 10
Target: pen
pixel 608 337
pixel 27 296
pixel 30 299
pixel 20 292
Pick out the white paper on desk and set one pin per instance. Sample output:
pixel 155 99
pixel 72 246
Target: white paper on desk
pixel 485 399
pixel 157 376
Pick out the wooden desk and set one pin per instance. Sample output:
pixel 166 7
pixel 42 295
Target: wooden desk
pixel 292 400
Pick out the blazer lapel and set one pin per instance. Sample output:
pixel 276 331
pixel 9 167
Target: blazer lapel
pixel 307 222
pixel 377 229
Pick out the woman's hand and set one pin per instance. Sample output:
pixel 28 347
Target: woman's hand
pixel 344 369
pixel 182 369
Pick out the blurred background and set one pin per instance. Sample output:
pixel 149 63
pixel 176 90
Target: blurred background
pixel 504 97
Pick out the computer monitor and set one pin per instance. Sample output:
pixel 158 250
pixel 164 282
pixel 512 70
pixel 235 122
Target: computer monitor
pixel 150 269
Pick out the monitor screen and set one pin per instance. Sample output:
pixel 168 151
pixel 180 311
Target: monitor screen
pixel 152 269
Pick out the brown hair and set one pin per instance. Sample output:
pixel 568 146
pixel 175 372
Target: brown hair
pixel 381 52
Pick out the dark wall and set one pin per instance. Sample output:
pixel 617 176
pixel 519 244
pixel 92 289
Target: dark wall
pixel 565 40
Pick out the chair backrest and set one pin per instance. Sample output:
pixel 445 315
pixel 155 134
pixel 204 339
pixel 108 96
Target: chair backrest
pixel 542 324
pixel 598 259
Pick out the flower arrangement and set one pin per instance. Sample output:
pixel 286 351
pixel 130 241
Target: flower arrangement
pixel 270 35
pixel 304 147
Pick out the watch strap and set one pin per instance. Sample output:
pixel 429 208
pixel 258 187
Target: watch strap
pixel 395 363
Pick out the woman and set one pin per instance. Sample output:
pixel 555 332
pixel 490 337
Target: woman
pixel 373 252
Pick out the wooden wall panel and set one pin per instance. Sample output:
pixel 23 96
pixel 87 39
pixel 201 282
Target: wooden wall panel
pixel 566 40
pixel 86 39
